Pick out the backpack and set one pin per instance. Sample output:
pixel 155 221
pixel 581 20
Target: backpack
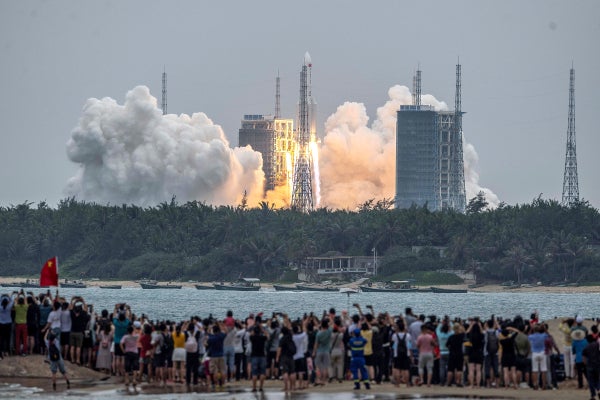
pixel 53 352
pixel 167 344
pixel 191 344
pixel 290 347
pixel 491 342
pixel 402 348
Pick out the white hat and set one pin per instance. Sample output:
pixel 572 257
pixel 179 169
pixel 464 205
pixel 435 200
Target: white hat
pixel 579 319
pixel 137 324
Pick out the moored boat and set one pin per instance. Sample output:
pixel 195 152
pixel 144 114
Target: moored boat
pixel 110 286
pixel 444 290
pixel 317 288
pixel 73 284
pixel 204 287
pixel 244 285
pixel 25 285
pixel 285 288
pixel 157 286
pixel 390 287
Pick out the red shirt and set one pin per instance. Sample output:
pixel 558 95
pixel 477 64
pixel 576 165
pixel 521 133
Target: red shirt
pixel 145 344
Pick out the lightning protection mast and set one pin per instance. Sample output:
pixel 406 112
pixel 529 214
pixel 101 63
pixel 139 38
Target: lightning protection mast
pixel 302 191
pixel 459 199
pixel 164 92
pixel 570 193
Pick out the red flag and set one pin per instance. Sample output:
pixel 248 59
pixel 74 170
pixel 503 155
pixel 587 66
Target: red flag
pixel 49 274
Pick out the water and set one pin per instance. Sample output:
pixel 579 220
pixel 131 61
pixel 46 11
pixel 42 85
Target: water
pixel 180 304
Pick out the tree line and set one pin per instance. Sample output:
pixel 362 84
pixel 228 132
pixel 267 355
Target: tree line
pixel 542 241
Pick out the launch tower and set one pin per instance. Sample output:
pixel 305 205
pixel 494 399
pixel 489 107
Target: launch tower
pixel 302 190
pixel 570 193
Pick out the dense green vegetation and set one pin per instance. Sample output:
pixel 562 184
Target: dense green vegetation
pixel 542 241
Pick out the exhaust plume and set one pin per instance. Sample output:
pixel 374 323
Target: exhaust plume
pixel 132 154
pixel 357 162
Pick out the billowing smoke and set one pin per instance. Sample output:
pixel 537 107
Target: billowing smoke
pixel 357 162
pixel 133 154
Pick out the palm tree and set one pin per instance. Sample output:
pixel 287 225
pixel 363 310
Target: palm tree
pixel 517 258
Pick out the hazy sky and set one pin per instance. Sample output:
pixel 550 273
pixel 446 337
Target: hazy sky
pixel 222 58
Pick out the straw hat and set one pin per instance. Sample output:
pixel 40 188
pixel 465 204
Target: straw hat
pixel 578 334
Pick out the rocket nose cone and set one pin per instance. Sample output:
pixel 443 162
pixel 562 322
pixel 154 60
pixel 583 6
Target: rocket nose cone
pixel 307 60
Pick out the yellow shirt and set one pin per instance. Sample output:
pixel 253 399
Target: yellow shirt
pixel 21 313
pixel 178 341
pixel 368 334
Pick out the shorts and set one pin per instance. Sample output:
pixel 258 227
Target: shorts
pixel 145 360
pixel 300 365
pixel 508 361
pixel 322 361
pixel 217 364
pixel 475 357
pixel 158 361
pixel 58 366
pixel 32 330
pixel 118 350
pixel 178 354
pixel 401 363
pixel 76 339
pixel 425 361
pixel 287 365
pixel 455 363
pixel 369 360
pixel 131 362
pixel 259 366
pixel 65 338
pixel 538 362
pixel 523 364
pixel 271 355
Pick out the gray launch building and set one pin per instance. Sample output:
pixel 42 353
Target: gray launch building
pixel 429 154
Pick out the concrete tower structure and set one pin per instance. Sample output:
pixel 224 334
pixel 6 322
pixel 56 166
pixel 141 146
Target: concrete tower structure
pixel 429 164
pixel 302 190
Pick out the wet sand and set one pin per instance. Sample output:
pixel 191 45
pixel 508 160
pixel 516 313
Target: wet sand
pixel 32 372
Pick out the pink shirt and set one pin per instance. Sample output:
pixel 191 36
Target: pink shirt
pixel 129 342
pixel 425 343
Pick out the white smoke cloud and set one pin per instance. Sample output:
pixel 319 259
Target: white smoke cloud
pixel 133 154
pixel 357 162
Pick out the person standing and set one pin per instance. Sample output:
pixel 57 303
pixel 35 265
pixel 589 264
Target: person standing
pixel 321 352
pixel 33 323
pixel 45 310
pixel 401 354
pixel 6 306
pixel 21 325
pixel 214 350
pixel 179 354
pixel 104 357
pixel 285 357
pixel 456 357
pixel 65 328
pixel 191 354
pixel 357 360
pixel 258 340
pixel 128 346
pixel 591 359
pixel 337 354
pixel 79 322
pixel 425 345
pixel 55 358
pixel 120 322
pixel 476 338
pixel 491 353
pixel 443 332
pixel 538 355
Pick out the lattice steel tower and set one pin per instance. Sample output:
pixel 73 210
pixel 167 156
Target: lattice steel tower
pixel 277 97
pixel 458 199
pixel 570 193
pixel 302 191
pixel 164 92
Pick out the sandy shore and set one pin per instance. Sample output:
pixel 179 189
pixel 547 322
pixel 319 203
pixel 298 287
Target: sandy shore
pixel 268 285
pixel 32 372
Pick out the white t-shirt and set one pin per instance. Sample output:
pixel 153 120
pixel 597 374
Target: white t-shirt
pixel 396 337
pixel 301 342
pixel 54 319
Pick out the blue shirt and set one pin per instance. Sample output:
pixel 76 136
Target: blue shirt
pixel 120 329
pixel 577 346
pixel 5 317
pixel 215 344
pixel 537 342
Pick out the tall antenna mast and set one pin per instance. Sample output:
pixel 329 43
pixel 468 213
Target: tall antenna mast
pixel 570 193
pixel 164 91
pixel 460 200
pixel 277 98
pixel 418 87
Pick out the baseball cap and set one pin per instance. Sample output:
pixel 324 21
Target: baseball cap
pixel 357 332
pixel 579 319
pixel 137 324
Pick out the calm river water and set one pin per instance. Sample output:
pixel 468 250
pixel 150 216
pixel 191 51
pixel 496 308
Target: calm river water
pixel 179 304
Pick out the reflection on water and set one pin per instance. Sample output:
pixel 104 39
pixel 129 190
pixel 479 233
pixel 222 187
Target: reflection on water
pixel 15 391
